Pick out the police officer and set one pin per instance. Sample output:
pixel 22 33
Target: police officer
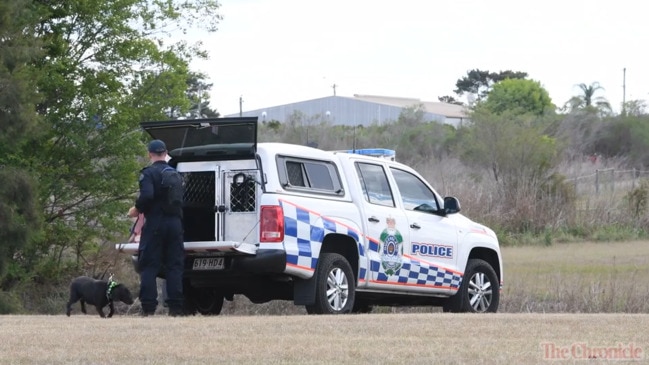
pixel 161 244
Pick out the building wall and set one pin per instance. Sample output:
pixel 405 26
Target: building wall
pixel 338 110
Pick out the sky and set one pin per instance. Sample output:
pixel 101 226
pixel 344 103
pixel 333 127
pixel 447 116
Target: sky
pixel 278 52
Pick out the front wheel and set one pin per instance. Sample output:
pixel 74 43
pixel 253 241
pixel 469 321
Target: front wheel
pixel 479 291
pixel 335 286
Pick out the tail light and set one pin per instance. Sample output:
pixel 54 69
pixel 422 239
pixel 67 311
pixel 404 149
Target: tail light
pixel 272 224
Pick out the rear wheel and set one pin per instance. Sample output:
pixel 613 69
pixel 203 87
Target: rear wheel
pixel 479 291
pixel 335 286
pixel 206 301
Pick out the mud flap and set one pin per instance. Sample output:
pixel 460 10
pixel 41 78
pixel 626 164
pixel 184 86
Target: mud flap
pixel 304 291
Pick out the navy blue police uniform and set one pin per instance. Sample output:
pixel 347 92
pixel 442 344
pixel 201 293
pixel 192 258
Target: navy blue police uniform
pixel 161 244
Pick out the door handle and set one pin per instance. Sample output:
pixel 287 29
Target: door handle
pixel 415 226
pixel 373 219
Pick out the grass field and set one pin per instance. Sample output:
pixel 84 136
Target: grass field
pixel 572 290
pixel 421 338
pixel 610 277
pixel 577 277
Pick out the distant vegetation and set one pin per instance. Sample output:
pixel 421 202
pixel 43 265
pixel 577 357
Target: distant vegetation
pixel 529 174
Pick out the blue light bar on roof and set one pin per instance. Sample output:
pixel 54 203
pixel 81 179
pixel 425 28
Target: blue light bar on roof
pixel 376 152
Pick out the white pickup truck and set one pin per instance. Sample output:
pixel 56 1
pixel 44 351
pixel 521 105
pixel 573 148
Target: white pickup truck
pixel 336 232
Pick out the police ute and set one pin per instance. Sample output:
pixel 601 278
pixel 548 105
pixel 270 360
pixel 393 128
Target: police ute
pixel 333 231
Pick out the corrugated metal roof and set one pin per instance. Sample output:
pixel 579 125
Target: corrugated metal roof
pixel 435 107
pixel 358 110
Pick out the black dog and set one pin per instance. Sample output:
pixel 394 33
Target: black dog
pixel 98 293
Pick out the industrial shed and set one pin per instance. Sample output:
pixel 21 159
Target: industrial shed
pixel 357 110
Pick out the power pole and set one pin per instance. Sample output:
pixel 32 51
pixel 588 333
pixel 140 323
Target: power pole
pixel 241 106
pixel 334 87
pixel 200 101
pixel 624 91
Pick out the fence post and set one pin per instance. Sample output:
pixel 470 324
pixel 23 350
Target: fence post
pixel 633 180
pixel 612 180
pixel 596 181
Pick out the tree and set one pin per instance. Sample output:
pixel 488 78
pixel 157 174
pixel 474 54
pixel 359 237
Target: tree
pixel 521 159
pixel 478 83
pixel 109 65
pixel 588 101
pixel 514 147
pixel 519 96
pixel 18 211
pixel 198 93
pixel 635 108
pixel 625 137
pixel 449 99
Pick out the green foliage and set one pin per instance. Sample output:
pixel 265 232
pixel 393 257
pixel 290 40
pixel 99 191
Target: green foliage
pixel 635 108
pixel 513 147
pixel 638 200
pixel 109 65
pixel 17 94
pixel 19 216
pixel 479 83
pixel 626 136
pixel 519 96
pixel 198 93
pixel 588 102
pixel 10 303
pixel 449 99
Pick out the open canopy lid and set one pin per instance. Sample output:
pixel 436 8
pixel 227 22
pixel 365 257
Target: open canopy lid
pixel 206 137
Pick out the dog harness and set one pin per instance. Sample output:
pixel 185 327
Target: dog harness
pixel 111 285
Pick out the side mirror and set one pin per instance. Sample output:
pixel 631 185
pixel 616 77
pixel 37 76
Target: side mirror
pixel 451 205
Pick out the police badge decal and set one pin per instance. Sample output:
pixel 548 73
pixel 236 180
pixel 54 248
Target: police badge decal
pixel 392 251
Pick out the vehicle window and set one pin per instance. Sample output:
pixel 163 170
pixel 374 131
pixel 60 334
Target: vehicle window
pixel 319 176
pixel 303 174
pixel 415 193
pixel 375 184
pixel 295 173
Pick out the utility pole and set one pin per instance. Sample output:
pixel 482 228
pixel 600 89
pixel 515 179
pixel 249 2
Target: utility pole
pixel 199 112
pixel 241 106
pixel 334 87
pixel 624 91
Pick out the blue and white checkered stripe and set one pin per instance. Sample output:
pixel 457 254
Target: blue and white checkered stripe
pixel 304 231
pixel 414 272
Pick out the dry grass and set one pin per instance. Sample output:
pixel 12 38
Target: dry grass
pixel 577 277
pixel 432 338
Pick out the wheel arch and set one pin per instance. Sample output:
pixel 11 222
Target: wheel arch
pixel 490 256
pixel 343 245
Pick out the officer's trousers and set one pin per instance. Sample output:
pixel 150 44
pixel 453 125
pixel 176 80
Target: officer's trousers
pixel 161 252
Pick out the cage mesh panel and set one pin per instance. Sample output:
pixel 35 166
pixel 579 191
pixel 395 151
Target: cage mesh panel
pixel 199 188
pixel 242 196
pixel 294 171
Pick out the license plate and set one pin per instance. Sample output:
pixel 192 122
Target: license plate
pixel 209 263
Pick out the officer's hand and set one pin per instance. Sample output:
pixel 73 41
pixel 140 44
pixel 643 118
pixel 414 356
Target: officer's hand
pixel 133 212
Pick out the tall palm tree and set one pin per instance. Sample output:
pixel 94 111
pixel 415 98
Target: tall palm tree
pixel 588 100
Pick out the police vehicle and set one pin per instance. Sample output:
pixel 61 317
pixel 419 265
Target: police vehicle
pixel 333 231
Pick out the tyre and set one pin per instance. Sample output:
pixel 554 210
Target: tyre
pixel 479 291
pixel 205 301
pixel 335 286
